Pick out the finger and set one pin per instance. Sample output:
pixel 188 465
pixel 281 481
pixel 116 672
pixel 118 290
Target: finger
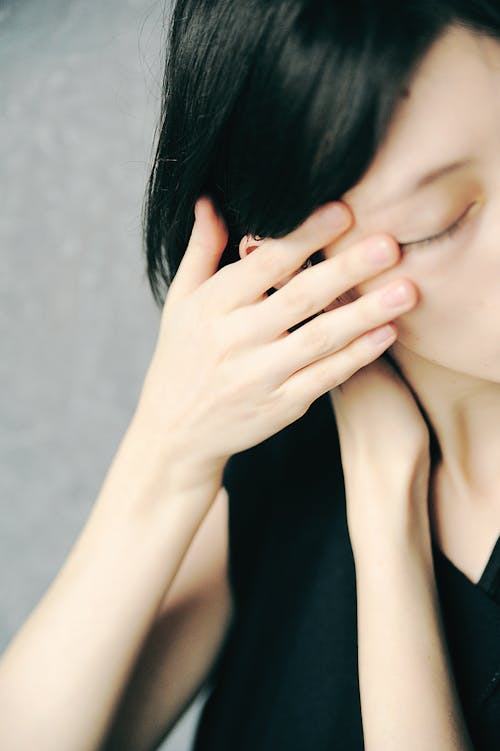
pixel 309 383
pixel 333 331
pixel 276 259
pixel 314 289
pixel 206 244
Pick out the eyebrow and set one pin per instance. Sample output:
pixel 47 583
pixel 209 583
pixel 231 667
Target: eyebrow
pixel 425 179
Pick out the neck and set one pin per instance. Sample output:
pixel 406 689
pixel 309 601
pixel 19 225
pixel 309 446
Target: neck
pixel 463 414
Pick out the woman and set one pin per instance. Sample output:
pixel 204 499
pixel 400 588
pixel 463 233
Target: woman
pixel 302 524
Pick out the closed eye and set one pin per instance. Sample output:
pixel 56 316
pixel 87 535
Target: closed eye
pixel 449 232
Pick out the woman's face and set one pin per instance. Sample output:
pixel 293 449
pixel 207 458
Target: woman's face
pixel 451 116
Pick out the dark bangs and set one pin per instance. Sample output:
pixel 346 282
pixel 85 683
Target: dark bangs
pixel 275 108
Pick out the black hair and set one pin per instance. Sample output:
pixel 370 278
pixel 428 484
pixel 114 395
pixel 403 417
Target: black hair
pixel 275 107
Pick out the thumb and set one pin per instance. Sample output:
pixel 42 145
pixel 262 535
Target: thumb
pixel 206 244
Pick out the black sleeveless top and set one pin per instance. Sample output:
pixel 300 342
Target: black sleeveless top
pixel 287 676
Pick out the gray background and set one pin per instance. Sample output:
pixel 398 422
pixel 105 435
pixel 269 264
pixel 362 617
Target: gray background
pixel 79 97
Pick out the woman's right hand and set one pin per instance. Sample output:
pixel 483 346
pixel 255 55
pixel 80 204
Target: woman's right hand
pixel 227 373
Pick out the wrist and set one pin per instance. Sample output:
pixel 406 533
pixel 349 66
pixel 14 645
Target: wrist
pixel 388 514
pixel 149 472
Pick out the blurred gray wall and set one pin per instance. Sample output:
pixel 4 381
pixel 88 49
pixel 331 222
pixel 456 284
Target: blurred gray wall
pixel 79 97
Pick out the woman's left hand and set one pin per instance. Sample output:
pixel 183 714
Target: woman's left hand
pixel 384 442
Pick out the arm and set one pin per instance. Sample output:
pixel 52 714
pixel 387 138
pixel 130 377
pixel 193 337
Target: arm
pixel 184 642
pixel 63 674
pixel 408 695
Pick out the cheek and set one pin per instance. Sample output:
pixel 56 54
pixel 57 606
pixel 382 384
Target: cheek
pixel 456 323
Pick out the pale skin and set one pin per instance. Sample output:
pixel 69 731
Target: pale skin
pixel 224 377
pixel 447 345
pixel 454 372
pixel 140 586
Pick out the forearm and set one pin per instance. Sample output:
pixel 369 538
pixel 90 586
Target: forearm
pixel 62 675
pixel 408 695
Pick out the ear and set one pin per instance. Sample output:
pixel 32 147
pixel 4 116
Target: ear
pixel 247 244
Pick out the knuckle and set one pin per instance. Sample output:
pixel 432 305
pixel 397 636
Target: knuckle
pixel 318 338
pixel 368 313
pixel 363 352
pixel 298 299
pixel 347 269
pixel 350 362
pixel 223 277
pixel 322 377
pixel 271 262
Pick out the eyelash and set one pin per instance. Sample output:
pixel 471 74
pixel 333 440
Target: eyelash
pixel 447 233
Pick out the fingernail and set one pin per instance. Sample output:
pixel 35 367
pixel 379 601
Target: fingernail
pixel 396 295
pixel 382 335
pixel 337 214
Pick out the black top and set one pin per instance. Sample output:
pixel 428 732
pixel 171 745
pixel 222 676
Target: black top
pixel 287 677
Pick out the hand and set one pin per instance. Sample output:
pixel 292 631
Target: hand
pixel 384 442
pixel 227 373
